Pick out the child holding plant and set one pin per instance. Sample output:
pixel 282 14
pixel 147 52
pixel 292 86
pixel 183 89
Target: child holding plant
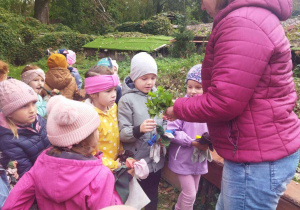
pixel 136 126
pixel 100 85
pixel 181 148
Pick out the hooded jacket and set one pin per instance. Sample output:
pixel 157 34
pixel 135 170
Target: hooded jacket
pixel 132 112
pixel 25 150
pixel 58 183
pixel 61 79
pixel 249 94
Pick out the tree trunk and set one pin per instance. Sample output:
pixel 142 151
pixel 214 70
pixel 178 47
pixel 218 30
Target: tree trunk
pixel 41 10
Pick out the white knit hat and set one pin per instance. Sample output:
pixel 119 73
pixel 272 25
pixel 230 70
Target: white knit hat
pixel 142 64
pixel 69 122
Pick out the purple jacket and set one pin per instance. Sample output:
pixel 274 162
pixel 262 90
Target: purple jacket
pixel 180 149
pixel 249 93
pixel 58 183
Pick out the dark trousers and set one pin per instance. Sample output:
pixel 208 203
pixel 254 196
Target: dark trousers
pixel 150 187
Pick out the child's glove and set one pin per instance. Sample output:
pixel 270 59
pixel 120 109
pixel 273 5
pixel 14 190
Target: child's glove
pixel 205 139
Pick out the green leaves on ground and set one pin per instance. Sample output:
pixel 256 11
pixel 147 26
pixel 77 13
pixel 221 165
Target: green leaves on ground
pixel 159 101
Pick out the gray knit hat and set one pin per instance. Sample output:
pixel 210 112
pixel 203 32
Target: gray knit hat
pixel 142 64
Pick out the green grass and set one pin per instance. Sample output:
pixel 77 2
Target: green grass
pixel 147 44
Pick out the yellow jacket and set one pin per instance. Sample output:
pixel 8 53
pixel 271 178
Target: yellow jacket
pixel 109 139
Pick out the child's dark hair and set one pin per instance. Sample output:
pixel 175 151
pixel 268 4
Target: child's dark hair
pixel 99 70
pixel 29 67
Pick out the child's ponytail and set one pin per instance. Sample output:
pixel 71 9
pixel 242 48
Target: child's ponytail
pixel 12 127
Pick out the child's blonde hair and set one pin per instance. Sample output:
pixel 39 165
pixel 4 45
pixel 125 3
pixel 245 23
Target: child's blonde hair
pixel 12 127
pixel 3 70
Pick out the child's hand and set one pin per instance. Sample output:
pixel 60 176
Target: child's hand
pixel 147 126
pixel 131 172
pixel 169 114
pixel 54 92
pixel 199 146
pixel 119 164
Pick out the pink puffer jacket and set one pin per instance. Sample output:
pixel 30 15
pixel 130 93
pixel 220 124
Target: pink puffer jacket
pixel 247 79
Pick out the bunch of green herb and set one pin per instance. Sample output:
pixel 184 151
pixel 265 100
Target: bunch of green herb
pixel 159 101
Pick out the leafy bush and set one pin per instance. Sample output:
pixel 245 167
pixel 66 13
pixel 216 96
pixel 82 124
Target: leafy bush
pixel 24 40
pixel 155 25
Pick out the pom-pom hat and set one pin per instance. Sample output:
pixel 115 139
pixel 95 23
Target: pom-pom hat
pixel 69 122
pixel 14 94
pixel 71 57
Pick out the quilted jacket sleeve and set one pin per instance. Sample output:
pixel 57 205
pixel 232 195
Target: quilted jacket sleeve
pixel 22 195
pixel 242 51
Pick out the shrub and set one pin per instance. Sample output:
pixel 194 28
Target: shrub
pixel 183 46
pixel 155 25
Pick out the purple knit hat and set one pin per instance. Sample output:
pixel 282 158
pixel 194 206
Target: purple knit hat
pixel 69 122
pixel 14 94
pixel 195 74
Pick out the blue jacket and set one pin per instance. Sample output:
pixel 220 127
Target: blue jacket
pixel 25 150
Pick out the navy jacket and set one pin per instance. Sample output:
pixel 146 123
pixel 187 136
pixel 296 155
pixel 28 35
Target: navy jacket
pixel 27 148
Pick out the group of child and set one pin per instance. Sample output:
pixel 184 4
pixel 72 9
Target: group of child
pixel 67 160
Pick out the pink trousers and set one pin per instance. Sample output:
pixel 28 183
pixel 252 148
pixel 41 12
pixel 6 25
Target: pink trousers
pixel 189 187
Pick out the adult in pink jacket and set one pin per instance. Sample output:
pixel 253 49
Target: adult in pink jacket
pixel 67 176
pixel 248 101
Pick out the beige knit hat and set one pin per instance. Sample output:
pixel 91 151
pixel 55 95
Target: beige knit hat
pixel 69 122
pixel 14 94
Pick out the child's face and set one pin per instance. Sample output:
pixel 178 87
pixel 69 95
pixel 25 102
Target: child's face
pixel 37 84
pixel 24 115
pixel 105 98
pixel 145 83
pixel 193 88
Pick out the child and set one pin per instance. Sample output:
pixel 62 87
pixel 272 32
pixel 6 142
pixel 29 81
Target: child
pixel 112 64
pixel 136 127
pixel 4 186
pixel 181 148
pixel 35 78
pixel 59 77
pixel 67 176
pixel 3 70
pixel 71 59
pixel 23 132
pixel 100 85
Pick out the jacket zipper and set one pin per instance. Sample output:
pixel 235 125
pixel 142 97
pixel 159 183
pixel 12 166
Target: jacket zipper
pixel 177 152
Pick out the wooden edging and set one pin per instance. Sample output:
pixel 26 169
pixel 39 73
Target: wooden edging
pixel 289 201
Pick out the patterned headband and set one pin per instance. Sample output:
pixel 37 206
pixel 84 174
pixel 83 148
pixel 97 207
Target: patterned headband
pixel 28 76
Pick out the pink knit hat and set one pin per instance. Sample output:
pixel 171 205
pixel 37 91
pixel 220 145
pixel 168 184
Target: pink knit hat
pixel 69 122
pixel 14 94
pixel 71 57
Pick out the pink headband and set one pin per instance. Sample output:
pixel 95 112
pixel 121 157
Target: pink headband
pixel 100 83
pixel 28 76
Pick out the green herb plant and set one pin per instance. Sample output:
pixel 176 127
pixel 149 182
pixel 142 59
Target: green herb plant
pixel 159 101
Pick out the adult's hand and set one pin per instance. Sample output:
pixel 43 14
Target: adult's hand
pixel 169 114
pixel 199 146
